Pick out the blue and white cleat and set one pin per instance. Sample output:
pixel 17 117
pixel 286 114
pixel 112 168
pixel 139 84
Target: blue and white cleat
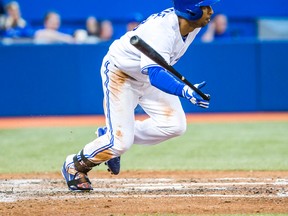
pixel 114 163
pixel 76 181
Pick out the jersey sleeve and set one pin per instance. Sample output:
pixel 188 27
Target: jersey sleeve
pixel 158 32
pixel 163 80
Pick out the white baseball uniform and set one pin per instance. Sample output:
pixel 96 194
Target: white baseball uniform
pixel 126 84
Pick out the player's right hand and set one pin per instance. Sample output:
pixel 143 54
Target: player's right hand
pixel 195 98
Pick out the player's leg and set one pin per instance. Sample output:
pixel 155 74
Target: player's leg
pixel 114 163
pixel 167 121
pixel 120 100
pixel 119 103
pixel 167 118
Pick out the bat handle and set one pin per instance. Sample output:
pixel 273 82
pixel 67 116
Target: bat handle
pixel 204 96
pixel 198 91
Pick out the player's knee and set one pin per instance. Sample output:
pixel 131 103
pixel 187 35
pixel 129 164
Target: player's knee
pixel 123 142
pixel 180 124
pixel 180 128
pixel 177 127
pixel 121 149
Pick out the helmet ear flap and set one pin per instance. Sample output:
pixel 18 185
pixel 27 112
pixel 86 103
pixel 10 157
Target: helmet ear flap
pixel 191 12
pixel 196 13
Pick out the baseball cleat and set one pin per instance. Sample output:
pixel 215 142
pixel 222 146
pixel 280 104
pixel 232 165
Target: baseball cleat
pixel 77 181
pixel 114 163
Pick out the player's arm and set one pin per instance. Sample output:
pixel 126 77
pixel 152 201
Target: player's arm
pixel 164 81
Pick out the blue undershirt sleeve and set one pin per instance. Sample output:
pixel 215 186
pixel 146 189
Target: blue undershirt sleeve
pixel 163 80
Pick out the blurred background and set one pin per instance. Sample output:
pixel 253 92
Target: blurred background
pixel 51 52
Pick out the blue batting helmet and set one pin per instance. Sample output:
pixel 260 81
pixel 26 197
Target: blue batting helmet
pixel 191 9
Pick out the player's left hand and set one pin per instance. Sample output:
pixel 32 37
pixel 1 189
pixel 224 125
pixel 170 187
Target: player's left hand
pixel 195 98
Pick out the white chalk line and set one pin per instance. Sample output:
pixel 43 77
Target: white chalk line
pixel 21 189
pixel 175 195
pixel 152 181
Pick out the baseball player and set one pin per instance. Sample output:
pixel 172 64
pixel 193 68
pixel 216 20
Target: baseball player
pixel 130 78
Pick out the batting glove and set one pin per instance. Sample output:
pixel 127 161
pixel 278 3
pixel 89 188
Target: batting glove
pixel 195 98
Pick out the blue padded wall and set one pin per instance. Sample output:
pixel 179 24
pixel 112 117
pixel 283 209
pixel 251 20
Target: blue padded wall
pixel 65 79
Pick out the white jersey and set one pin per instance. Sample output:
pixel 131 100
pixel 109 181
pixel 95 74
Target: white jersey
pixel 125 85
pixel 164 36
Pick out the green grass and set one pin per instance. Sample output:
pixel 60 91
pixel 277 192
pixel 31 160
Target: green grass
pixel 217 146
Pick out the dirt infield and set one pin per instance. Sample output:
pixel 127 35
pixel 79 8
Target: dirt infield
pixel 145 192
pixel 138 192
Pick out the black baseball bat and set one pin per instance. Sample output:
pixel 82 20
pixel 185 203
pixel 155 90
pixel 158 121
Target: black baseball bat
pixel 146 49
